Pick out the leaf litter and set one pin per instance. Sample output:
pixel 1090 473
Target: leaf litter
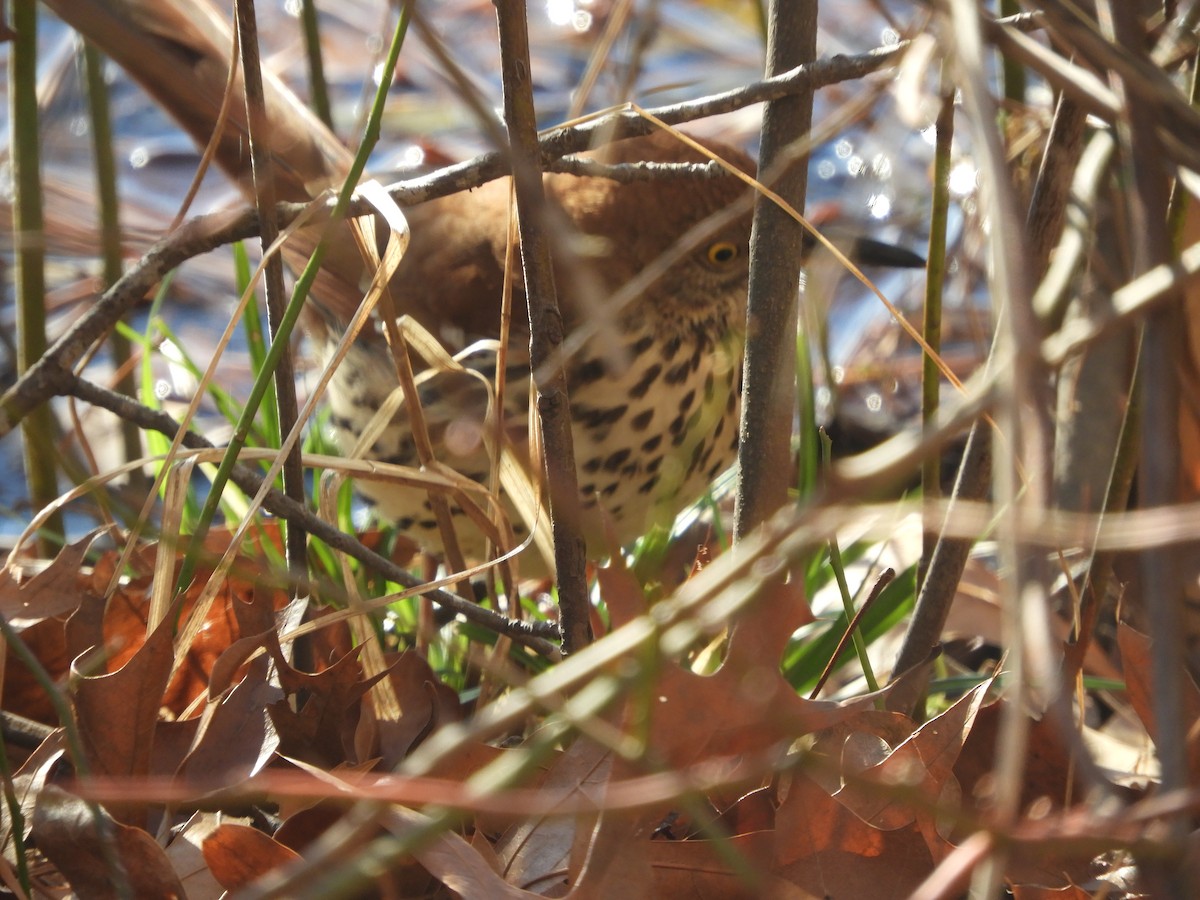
pixel 223 770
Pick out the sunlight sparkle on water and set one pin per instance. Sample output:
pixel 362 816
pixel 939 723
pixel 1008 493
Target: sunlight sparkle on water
pixel 880 206
pixel 963 179
pixel 413 156
pixel 569 13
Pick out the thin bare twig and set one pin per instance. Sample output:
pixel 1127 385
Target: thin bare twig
pixel 545 329
pixel 264 201
pixel 776 252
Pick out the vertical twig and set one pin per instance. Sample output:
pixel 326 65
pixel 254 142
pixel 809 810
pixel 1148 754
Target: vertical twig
pixel 1162 587
pixel 776 244
pixel 1012 72
pixel 949 558
pixel 545 327
pixel 317 86
pixel 264 198
pixel 931 327
pixel 110 238
pixel 1020 479
pixel 38 427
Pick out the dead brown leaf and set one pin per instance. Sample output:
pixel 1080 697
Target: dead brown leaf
pixel 237 737
pixel 84 849
pixel 825 849
pixel 237 855
pixel 1136 652
pixel 425 702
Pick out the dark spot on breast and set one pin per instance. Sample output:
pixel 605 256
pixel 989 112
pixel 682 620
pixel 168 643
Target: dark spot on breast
pixel 695 461
pixel 677 424
pixel 731 403
pixel 630 469
pixel 405 455
pixel 688 399
pixel 714 471
pixel 648 485
pixel 588 371
pixel 648 377
pixel 428 524
pixel 651 444
pixel 343 423
pixel 678 374
pixel 720 427
pixel 671 347
pixel 588 489
pixel 710 386
pixel 404 523
pixel 614 462
pixel 697 355
pixel 653 465
pixel 610 489
pixel 641 420
pixel 641 345
pixel 589 502
pixel 596 417
pixel 592 465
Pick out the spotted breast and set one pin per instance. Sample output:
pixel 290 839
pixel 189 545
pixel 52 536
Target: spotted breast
pixel 653 384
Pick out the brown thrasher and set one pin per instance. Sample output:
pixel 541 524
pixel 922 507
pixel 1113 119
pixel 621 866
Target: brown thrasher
pixel 653 388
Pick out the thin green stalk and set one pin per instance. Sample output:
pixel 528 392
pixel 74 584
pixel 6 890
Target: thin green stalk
pixel 256 342
pixel 839 572
pixel 17 821
pixel 110 238
pixel 808 467
pixel 318 88
pixel 935 275
pixel 38 428
pixel 303 285
pixel 1013 72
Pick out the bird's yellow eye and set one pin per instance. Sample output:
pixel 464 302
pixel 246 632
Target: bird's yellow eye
pixel 722 252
